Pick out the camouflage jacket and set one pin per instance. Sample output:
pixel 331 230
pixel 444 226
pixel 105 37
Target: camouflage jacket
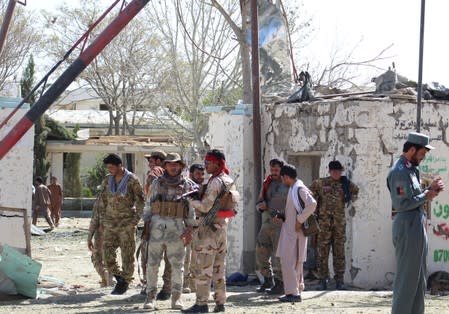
pixel 330 195
pixel 213 189
pixel 122 209
pixel 171 194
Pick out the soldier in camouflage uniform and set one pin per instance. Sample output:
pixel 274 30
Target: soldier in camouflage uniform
pixel 170 217
pixel 96 246
pixel 123 201
pixel 211 246
pixel 332 193
pixel 272 198
pixel 155 163
pixel 196 175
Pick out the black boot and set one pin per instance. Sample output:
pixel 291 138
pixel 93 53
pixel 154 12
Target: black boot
pixel 197 309
pixel 323 285
pixel 277 289
pixel 291 298
pixel 219 308
pixel 163 295
pixel 121 286
pixel 339 285
pixel 267 284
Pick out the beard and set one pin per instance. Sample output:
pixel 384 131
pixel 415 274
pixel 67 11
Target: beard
pixel 415 161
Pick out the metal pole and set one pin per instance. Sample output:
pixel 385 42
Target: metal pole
pixel 69 75
pixel 421 52
pixel 6 22
pixel 256 95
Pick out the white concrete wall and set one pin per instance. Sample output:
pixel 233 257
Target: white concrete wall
pixel 232 133
pixel 367 136
pixel 16 178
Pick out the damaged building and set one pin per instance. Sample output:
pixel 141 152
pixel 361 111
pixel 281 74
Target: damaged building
pixel 366 134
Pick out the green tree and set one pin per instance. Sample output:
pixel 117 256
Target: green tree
pixel 96 175
pixel 72 180
pixel 41 165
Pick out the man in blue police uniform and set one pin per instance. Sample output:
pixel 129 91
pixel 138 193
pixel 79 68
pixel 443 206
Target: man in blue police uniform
pixel 409 229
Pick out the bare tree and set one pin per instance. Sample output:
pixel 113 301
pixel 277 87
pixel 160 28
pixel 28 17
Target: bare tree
pixel 345 69
pixel 201 56
pixel 125 75
pixel 22 37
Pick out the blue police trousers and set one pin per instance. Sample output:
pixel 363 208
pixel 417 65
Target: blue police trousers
pixel 410 243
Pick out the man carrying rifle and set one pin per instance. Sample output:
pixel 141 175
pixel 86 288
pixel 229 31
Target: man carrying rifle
pixel 210 243
pixel 170 217
pixel 272 200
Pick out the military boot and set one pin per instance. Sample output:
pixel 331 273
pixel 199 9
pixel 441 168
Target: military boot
pixel 267 284
pixel 176 301
pixel 163 295
pixel 121 286
pixel 149 301
pixel 277 289
pixel 197 309
pixel 323 285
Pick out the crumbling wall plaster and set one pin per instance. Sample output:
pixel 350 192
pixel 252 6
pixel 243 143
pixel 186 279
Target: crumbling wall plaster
pixel 367 135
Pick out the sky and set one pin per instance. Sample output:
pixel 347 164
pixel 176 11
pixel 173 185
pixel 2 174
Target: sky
pixel 375 24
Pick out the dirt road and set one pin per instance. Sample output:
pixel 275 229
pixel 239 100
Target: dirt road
pixel 64 255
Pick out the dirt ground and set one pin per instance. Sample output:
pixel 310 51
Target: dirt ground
pixel 64 256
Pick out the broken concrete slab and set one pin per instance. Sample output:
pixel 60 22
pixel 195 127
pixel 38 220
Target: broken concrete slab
pixel 21 269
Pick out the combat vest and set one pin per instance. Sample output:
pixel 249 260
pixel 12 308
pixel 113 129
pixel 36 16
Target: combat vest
pixel 166 204
pixel 228 203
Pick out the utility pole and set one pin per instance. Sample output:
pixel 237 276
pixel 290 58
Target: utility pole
pixel 421 52
pixel 256 95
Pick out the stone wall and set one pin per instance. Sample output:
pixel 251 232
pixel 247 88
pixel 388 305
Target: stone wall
pixel 366 135
pixel 16 177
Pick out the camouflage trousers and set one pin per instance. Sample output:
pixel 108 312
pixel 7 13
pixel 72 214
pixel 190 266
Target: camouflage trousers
pixel 332 234
pixel 165 237
pixel 166 277
pixel 120 236
pixel 266 245
pixel 190 259
pixel 210 248
pixel 97 257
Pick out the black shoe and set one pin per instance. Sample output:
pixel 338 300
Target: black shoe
pixel 197 309
pixel 121 286
pixel 290 298
pixel 339 285
pixel 277 289
pixel 163 295
pixel 323 285
pixel 219 308
pixel 267 284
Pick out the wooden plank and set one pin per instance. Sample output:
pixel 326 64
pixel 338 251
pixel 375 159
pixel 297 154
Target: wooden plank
pixel 11 209
pixel 21 269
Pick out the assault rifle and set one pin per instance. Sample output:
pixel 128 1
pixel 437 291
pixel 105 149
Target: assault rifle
pixel 208 220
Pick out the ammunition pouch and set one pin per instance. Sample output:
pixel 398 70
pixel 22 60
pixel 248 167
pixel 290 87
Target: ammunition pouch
pixel 177 209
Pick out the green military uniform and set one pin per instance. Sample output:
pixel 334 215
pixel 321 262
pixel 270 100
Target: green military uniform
pixel 409 237
pixel 267 240
pixel 96 233
pixel 119 218
pixel 331 201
